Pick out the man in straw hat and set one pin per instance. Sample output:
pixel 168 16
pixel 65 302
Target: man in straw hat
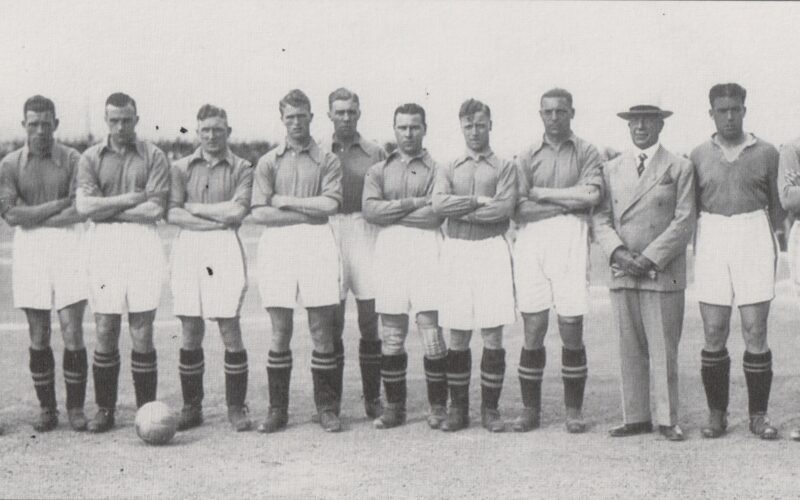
pixel 644 224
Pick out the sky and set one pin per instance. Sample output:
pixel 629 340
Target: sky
pixel 172 57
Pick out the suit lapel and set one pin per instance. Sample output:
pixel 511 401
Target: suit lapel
pixel 652 175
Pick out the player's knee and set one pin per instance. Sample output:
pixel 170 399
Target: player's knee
pixel 428 319
pixel 322 320
pixel 142 343
pixel 73 337
pixel 433 342
pixel 571 330
pixel 492 337
pixel 459 339
pixel 393 340
pixel 141 320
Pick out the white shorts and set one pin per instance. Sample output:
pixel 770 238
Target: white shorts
pixel 298 263
pixel 126 267
pixel 407 270
pixel 551 266
pixel 48 268
pixel 209 276
pixel 477 284
pixel 736 258
pixel 356 239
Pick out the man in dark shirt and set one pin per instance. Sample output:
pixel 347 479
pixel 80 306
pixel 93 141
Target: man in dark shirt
pixel 37 196
pixel 736 255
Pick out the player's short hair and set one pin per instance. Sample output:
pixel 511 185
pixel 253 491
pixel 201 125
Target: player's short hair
pixel 726 90
pixel 210 111
pixel 410 108
pixel 296 98
pixel 558 92
pixel 120 100
pixel 38 104
pixel 472 106
pixel 342 94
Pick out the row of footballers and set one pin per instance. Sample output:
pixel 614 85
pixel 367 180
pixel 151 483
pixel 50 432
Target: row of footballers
pixel 344 216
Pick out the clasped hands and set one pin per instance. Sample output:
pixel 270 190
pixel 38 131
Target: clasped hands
pixel 626 262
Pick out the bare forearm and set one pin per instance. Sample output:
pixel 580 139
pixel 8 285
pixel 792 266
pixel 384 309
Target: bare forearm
pixel 228 212
pixel 146 212
pixel 66 217
pixel 494 211
pixel 274 217
pixel 315 206
pixel 183 219
pixel 575 197
pixel 98 205
pixel 450 205
pixel 22 215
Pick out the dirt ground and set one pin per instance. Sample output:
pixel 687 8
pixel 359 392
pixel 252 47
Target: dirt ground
pixel 411 461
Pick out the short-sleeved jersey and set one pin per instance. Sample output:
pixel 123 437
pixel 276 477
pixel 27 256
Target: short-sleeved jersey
pixel 396 185
pixel 355 160
pixel 473 175
pixel 195 180
pixel 743 185
pixel 142 167
pixel 575 162
pixel 306 173
pixel 36 179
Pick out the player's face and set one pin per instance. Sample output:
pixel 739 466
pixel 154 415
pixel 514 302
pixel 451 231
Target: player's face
pixel 476 130
pixel 556 115
pixel 121 123
pixel 728 114
pixel 645 130
pixel 409 132
pixel 213 133
pixel 344 115
pixel 297 122
pixel 39 127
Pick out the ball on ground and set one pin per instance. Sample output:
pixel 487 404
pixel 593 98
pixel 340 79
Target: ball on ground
pixel 155 423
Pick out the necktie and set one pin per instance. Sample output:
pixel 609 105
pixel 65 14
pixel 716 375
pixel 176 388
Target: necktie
pixel 640 168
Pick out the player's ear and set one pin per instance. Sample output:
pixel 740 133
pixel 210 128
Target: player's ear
pixel 230 129
pixel 330 115
pixel 55 124
pixel 135 120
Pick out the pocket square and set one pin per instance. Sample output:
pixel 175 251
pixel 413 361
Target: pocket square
pixel 667 179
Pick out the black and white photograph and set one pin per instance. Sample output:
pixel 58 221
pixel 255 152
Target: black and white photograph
pixel 399 250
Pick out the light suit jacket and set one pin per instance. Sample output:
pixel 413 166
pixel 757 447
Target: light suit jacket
pixel 653 215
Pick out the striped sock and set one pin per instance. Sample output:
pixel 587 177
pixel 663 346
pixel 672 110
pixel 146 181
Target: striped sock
pixel 144 367
pixel 574 373
pixel 236 372
pixel 393 373
pixel 716 374
pixel 323 373
pixel 493 369
pixel 75 374
pixel 105 371
pixel 758 375
pixel 436 378
pixel 531 371
pixel 369 360
pixel 191 367
pixel 338 351
pixel 42 366
pixel 459 369
pixel 279 372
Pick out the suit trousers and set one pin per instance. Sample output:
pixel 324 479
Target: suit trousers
pixel 649 325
